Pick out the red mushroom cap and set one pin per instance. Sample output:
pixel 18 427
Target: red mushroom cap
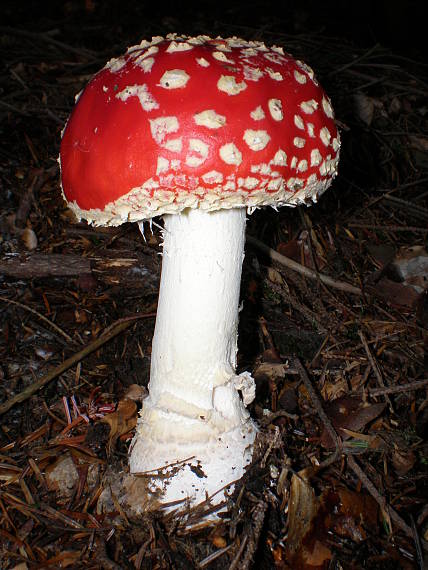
pixel 197 122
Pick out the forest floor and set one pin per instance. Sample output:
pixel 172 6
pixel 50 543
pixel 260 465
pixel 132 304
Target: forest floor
pixel 340 477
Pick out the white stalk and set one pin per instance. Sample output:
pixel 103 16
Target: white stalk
pixel 194 414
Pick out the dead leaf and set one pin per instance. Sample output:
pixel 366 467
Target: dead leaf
pixel 396 294
pixel 355 513
pixel 311 520
pixel 122 421
pixel 29 239
pixel 364 107
pixel 136 392
pixel 419 143
pixel 403 460
pixel 302 509
pixel 350 413
pixel 410 267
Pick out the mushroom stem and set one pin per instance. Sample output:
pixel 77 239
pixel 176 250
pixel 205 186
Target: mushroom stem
pixel 194 409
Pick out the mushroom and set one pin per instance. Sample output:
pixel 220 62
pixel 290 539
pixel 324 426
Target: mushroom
pixel 199 131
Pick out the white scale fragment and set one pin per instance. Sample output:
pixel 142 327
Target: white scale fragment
pixel 210 119
pixel 275 109
pixel 174 79
pixel 146 99
pixel 230 154
pixel 228 84
pixel 256 140
pixel 163 126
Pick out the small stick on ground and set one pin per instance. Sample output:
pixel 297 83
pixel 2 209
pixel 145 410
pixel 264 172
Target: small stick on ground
pixel 291 264
pixel 323 416
pixel 378 497
pixel 258 520
pixel 40 316
pixel 375 367
pixel 111 332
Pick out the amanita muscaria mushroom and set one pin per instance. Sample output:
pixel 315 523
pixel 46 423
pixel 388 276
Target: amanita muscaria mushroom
pixel 197 130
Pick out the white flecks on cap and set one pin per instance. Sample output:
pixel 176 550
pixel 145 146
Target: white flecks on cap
pixel 258 114
pixel 336 144
pixel 249 52
pixel 300 77
pixel 295 184
pixel 228 84
pixel 280 158
pixel 276 75
pixel 221 56
pixel 152 50
pixel 212 177
pixel 222 45
pixel 252 73
pixel 147 101
pixel 198 153
pixel 329 166
pixel 326 105
pixel 256 140
pixel 202 62
pixel 325 136
pixel 275 109
pixel 163 126
pixel 312 179
pixel 174 79
pixel 309 107
pixel 316 157
pixel 298 121
pixel 274 184
pixel 311 130
pixel 299 142
pixel 274 57
pixel 173 145
pixel 230 154
pixel 115 64
pixel 305 67
pixel 249 182
pixel 293 163
pixel 278 49
pixel 156 40
pixel 178 46
pixel 210 119
pixel 162 165
pixel 302 166
pixel 230 186
pixel 146 64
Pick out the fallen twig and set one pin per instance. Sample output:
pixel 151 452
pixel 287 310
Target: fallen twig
pixel 291 264
pixel 259 514
pixel 378 497
pixel 40 316
pixel 409 387
pixel 111 332
pixel 375 367
pixel 322 414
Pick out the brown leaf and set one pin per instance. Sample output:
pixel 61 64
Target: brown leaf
pixel 351 413
pixel 303 546
pixel 403 460
pixel 312 520
pixel 397 294
pixel 136 392
pixel 122 421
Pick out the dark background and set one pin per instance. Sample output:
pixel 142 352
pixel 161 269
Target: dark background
pixel 399 25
